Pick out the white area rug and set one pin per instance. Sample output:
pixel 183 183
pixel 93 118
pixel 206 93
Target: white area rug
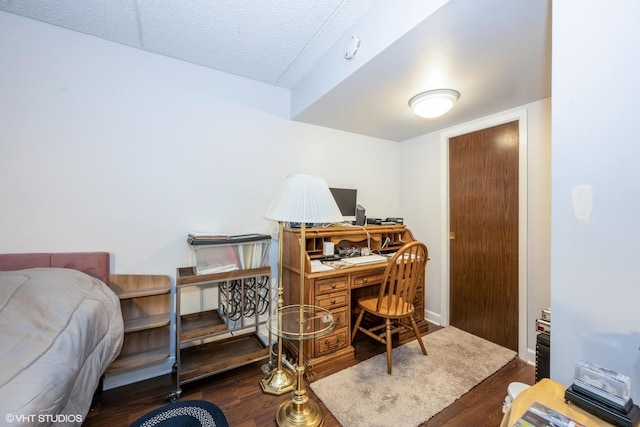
pixel 364 395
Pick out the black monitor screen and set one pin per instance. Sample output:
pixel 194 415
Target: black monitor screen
pixel 346 200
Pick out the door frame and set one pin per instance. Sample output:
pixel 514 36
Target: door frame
pixel 521 116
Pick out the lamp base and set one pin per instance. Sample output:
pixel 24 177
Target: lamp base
pixel 278 381
pixel 306 414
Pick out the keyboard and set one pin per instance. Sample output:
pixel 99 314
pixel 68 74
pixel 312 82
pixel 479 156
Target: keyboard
pixel 366 259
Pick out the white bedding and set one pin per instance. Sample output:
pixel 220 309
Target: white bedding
pixel 59 330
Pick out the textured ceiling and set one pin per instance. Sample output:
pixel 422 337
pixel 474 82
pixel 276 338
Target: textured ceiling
pixel 275 42
pixel 496 53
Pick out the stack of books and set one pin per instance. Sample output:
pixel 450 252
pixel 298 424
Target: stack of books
pixel 543 324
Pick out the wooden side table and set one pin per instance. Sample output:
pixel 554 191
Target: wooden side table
pixel 551 394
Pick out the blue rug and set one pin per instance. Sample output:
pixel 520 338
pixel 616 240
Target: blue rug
pixel 189 413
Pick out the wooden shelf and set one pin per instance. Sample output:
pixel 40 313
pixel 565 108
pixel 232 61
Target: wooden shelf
pixel 139 293
pixel 139 360
pixel 218 356
pixel 201 325
pixel 187 276
pixel 139 285
pixel 145 302
pixel 148 322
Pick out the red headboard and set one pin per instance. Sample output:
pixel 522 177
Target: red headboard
pixel 95 264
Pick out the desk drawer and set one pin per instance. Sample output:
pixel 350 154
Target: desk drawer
pixel 367 279
pixel 333 342
pixel 331 284
pixel 340 317
pixel 329 301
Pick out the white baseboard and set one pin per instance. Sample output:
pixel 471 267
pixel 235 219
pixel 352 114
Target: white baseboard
pixel 530 357
pixel 432 317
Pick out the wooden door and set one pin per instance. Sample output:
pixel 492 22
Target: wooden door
pixel 483 206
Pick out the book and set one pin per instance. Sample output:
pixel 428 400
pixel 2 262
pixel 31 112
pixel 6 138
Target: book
pixel 199 237
pixel 317 265
pixel 208 235
pixel 539 415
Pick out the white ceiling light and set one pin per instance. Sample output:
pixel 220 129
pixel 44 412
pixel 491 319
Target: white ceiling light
pixel 433 103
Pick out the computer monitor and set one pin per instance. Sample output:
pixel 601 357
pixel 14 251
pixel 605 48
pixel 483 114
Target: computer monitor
pixel 346 200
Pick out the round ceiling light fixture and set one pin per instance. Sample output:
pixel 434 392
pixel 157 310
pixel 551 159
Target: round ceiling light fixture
pixel 433 103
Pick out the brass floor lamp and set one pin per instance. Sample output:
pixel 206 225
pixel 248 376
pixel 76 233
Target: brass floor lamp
pixel 279 380
pixel 302 199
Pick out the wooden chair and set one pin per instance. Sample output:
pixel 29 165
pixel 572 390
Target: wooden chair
pixel 394 303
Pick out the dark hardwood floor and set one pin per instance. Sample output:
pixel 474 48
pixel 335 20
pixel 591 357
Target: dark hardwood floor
pixel 237 392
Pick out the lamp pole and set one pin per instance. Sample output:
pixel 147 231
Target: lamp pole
pixel 279 380
pixel 300 410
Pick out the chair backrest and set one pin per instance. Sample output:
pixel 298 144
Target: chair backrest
pixel 402 276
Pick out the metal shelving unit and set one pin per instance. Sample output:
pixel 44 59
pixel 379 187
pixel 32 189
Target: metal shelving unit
pixel 232 333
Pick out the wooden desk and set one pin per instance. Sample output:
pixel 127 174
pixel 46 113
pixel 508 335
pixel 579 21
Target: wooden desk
pixel 338 290
pixel 551 394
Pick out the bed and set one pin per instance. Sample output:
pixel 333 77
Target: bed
pixel 60 328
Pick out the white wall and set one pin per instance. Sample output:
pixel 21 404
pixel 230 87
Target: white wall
pixel 106 147
pixel 421 188
pixel 595 286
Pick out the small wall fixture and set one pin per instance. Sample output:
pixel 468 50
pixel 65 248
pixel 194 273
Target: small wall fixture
pixel 433 103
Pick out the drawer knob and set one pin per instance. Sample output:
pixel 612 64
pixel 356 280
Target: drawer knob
pixel 333 285
pixel 366 279
pixel 333 302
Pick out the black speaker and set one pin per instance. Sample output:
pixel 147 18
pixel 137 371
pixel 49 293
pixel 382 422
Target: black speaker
pixel 543 355
pixel 360 217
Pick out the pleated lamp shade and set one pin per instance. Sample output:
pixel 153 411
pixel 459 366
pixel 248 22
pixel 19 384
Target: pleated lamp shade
pixel 304 198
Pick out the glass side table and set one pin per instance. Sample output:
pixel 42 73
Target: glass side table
pixel 300 323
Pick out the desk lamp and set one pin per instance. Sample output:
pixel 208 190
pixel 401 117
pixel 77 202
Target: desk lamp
pixel 302 199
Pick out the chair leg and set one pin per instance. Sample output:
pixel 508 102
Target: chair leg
pixel 388 346
pixel 357 325
pixel 416 331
